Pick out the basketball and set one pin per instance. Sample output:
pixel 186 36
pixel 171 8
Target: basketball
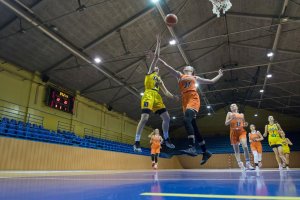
pixel 171 20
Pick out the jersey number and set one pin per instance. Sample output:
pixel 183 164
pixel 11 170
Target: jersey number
pixel 238 124
pixel 187 84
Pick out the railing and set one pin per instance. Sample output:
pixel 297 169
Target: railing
pixel 21 116
pixel 91 132
pixel 102 133
pixel 113 136
pixel 64 126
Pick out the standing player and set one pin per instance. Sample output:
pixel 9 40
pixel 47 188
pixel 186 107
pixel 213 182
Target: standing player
pixel 155 141
pixel 286 149
pixel 152 101
pixel 275 141
pixel 255 139
pixel 237 123
pixel 191 105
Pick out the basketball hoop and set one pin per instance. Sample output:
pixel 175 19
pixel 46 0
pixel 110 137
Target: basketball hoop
pixel 220 5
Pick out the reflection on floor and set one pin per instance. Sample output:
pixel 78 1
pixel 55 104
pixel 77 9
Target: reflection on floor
pixel 154 185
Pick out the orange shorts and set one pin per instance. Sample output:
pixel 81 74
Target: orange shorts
pixel 155 148
pixel 256 146
pixel 190 100
pixel 237 135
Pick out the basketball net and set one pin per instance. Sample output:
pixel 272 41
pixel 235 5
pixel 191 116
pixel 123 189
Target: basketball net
pixel 220 5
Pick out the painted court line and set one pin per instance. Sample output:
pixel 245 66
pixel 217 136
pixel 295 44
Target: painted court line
pixel 212 196
pixel 126 179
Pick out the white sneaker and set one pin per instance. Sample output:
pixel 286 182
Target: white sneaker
pixel 241 165
pixel 287 168
pixel 137 148
pixel 259 164
pixel 280 167
pixel 249 166
pixel 257 168
pixel 155 166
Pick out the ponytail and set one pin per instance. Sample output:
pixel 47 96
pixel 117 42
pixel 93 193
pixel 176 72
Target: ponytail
pixel 151 134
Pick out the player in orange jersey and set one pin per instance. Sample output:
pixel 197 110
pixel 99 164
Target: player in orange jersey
pixel 238 134
pixel 155 141
pixel 255 139
pixel 191 105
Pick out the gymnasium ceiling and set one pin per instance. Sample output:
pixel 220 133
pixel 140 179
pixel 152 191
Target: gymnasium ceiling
pixel 122 31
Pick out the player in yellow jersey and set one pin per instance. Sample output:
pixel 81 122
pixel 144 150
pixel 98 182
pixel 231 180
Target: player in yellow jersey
pixel 152 102
pixel 275 141
pixel 286 149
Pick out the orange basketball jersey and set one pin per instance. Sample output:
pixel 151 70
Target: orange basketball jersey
pixel 238 122
pixel 254 136
pixel 155 141
pixel 187 83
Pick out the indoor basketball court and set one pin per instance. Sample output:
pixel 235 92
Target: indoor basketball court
pixel 149 99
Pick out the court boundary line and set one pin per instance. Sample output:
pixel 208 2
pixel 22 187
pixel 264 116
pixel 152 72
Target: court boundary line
pixel 213 196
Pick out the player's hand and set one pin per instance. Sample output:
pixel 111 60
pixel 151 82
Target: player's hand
pixel 265 135
pixel 232 116
pixel 220 72
pixel 149 54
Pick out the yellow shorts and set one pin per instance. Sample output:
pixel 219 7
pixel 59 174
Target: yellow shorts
pixel 275 141
pixel 152 100
pixel 286 149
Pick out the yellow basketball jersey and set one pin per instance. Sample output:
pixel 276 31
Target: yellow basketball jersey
pixel 152 81
pixel 273 130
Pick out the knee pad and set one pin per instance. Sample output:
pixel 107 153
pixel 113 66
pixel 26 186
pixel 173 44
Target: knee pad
pixel 144 118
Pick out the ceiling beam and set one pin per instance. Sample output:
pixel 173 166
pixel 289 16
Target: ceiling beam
pixel 184 36
pixel 182 53
pixel 249 100
pixel 252 66
pixel 251 86
pixel 256 16
pixel 106 35
pixel 15 18
pixel 274 47
pixel 264 48
pixel 40 26
pixel 231 69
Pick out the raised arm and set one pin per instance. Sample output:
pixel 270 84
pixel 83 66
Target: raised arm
pixel 150 135
pixel 266 131
pixel 279 127
pixel 151 139
pixel 249 138
pixel 209 81
pixel 156 55
pixel 289 141
pixel 170 69
pixel 165 90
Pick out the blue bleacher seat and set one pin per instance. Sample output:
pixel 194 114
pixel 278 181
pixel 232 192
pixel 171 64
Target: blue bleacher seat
pixel 13 128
